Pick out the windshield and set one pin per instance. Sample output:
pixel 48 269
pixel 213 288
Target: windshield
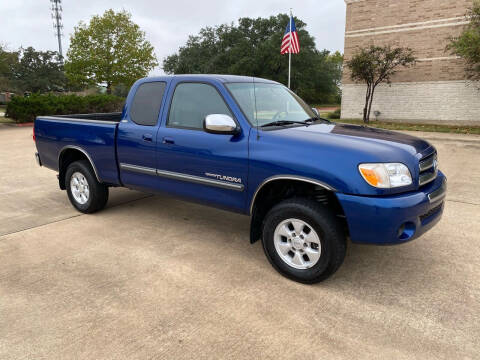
pixel 264 103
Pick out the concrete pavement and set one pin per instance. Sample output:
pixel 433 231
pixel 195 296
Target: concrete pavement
pixel 151 277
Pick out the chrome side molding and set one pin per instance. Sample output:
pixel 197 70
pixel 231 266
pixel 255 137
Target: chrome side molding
pixel 182 177
pixel 139 169
pixel 200 180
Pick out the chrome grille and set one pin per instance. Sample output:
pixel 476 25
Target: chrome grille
pixel 427 162
pixel 428 169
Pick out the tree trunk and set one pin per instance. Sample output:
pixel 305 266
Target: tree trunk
pixel 109 88
pixel 365 108
pixel 370 104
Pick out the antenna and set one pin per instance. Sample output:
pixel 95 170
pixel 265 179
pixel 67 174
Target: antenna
pixel 57 24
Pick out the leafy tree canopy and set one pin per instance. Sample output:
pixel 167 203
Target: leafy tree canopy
pixel 467 45
pixel 7 61
pixel 376 64
pixel 110 50
pixel 31 70
pixel 39 71
pixel 252 48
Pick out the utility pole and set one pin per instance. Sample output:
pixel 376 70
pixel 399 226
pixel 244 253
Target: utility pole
pixel 57 24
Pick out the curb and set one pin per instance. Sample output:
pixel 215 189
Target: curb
pixel 448 137
pixel 327 108
pixel 14 125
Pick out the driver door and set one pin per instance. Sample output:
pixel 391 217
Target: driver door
pixel 205 167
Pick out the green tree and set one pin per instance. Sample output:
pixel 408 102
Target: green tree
pixel 110 50
pixel 467 45
pixel 31 70
pixel 252 47
pixel 8 60
pixel 336 67
pixel 39 71
pixel 4 67
pixel 374 65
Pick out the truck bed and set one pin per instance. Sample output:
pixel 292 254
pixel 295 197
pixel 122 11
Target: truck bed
pixel 92 134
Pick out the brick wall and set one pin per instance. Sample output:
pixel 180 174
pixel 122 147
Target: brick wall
pixel 364 14
pixel 425 26
pixel 428 46
pixel 451 102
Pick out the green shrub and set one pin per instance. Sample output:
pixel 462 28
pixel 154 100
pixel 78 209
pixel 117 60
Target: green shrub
pixel 26 109
pixel 334 115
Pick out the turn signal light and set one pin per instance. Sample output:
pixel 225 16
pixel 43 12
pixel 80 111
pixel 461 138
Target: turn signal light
pixel 370 176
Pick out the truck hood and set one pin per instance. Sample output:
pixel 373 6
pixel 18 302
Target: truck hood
pixel 331 153
pixel 368 137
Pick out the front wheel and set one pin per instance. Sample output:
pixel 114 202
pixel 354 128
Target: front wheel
pixel 303 240
pixel 86 194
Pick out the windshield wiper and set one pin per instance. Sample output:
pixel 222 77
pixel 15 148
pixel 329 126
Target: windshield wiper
pixel 287 122
pixel 312 119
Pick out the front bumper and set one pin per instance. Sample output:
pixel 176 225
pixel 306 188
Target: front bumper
pixel 394 219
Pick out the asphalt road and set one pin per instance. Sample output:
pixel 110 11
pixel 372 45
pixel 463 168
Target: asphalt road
pixel 151 277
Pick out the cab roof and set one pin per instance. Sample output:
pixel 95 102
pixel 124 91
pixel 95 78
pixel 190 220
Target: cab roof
pixel 217 77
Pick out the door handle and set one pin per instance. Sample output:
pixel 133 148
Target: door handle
pixel 147 137
pixel 168 140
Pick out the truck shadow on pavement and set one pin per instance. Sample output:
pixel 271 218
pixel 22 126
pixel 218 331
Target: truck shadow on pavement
pixel 366 270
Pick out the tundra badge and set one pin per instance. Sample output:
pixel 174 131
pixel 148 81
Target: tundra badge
pixel 224 177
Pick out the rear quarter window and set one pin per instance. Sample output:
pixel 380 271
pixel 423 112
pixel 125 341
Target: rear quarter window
pixel 147 102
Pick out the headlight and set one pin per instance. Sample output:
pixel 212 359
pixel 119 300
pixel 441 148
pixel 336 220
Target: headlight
pixel 386 175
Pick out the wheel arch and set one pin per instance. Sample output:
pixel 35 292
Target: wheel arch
pixel 280 187
pixel 69 154
pixel 288 178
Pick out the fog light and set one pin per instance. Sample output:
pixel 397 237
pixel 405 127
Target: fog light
pixel 406 231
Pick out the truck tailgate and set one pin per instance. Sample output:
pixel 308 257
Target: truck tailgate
pixel 95 138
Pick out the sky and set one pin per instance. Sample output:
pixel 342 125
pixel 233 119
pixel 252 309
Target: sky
pixel 167 24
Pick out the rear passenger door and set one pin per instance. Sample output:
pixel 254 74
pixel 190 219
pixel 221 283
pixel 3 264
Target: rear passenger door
pixel 136 139
pixel 209 168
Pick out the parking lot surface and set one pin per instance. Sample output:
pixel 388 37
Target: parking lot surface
pixel 151 277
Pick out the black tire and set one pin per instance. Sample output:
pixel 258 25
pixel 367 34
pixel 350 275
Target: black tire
pixel 98 192
pixel 325 224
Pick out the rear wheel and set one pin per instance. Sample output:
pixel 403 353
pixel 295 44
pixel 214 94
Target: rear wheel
pixel 303 240
pixel 86 194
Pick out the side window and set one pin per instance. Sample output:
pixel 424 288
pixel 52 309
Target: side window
pixel 146 103
pixel 192 102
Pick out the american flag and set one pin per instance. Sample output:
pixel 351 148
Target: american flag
pixel 290 42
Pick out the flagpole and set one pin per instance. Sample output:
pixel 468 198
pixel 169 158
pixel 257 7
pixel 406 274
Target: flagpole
pixel 289 67
pixel 290 51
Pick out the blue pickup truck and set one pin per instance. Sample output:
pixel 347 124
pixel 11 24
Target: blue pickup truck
pixel 252 146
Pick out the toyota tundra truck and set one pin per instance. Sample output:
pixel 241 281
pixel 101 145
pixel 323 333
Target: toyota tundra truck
pixel 252 146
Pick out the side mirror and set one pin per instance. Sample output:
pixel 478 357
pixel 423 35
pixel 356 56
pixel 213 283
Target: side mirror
pixel 220 124
pixel 316 111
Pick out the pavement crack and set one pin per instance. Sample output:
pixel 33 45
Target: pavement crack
pixel 463 202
